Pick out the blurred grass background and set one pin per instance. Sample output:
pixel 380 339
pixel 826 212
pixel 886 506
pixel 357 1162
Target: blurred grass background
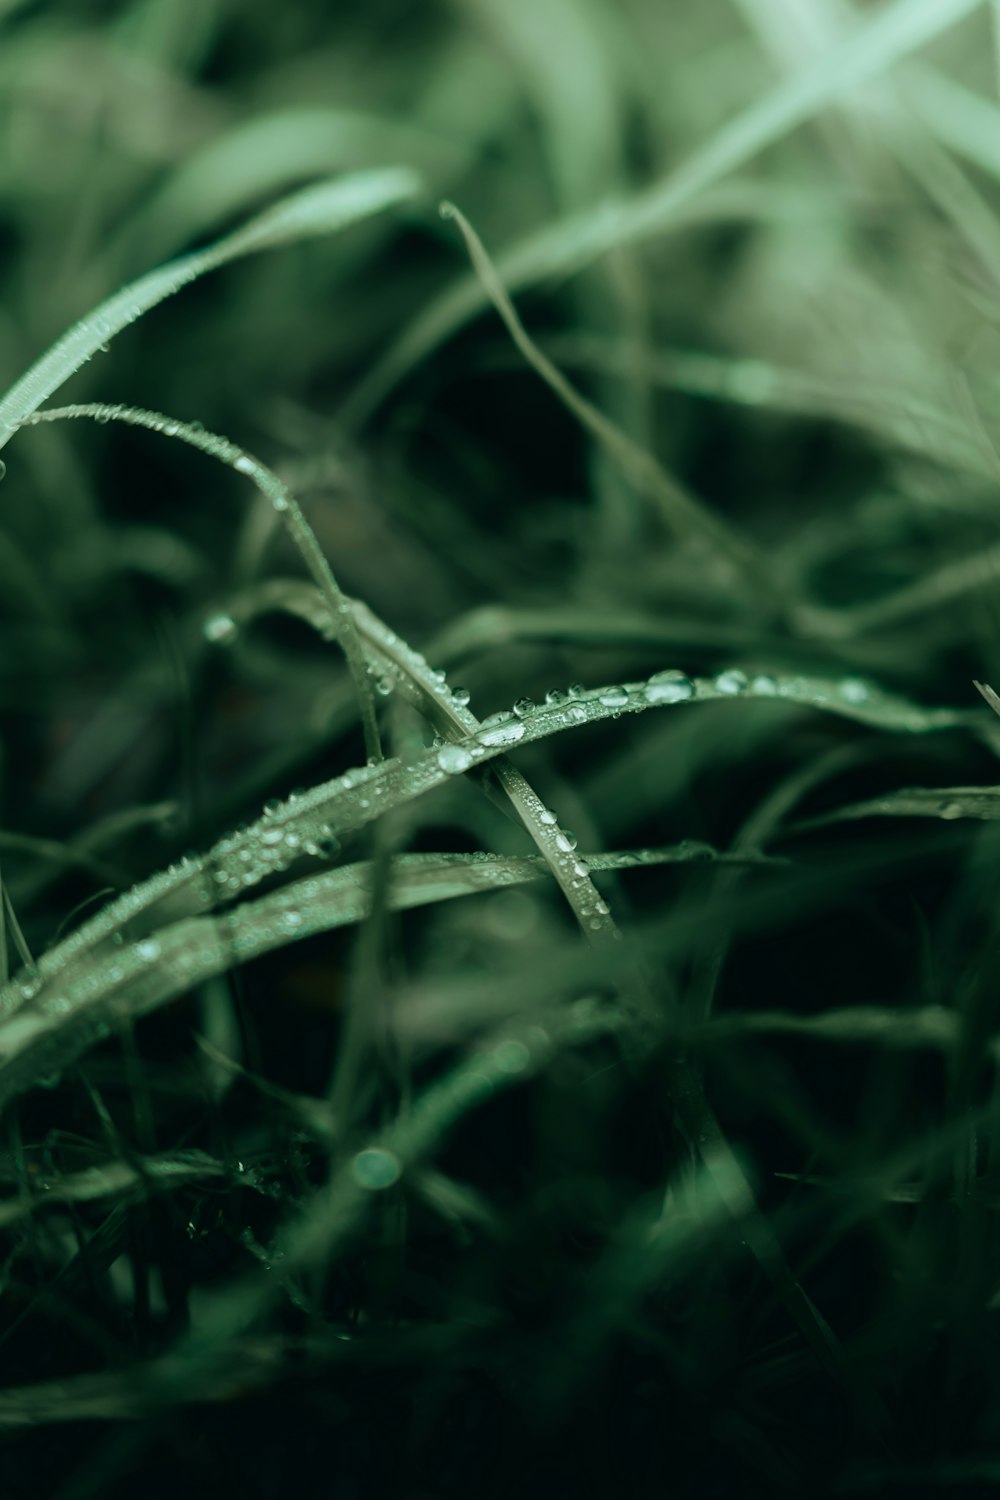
pixel 806 336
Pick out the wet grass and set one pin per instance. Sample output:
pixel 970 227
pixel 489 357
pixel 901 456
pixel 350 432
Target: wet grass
pixel 497 837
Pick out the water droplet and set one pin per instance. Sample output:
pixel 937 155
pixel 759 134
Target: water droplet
pixel 280 502
pixel 245 465
pixel 695 849
pixel 854 691
pixel 576 690
pixel 613 697
pixel 272 807
pixel 28 988
pixel 454 759
pixel 554 698
pixel 731 683
pixel 523 706
pixel 548 818
pixel 511 1057
pixel 668 687
pixel 506 733
pixel 220 630
pixel 566 842
pixel 384 686
pixel 376 1169
pixel 764 686
pixel 148 950
pixel 461 696
pixel 951 810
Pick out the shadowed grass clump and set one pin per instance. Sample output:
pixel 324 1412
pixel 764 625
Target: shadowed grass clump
pixel 498 883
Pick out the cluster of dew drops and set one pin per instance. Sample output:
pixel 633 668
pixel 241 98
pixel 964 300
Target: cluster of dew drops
pixel 238 863
pixel 242 864
pixel 671 686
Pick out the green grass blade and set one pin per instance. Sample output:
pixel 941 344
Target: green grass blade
pixel 889 36
pixel 268 153
pixel 339 611
pixel 950 803
pixel 316 210
pixel 353 800
pixel 680 509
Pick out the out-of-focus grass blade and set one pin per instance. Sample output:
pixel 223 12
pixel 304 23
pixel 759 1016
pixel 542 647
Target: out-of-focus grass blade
pixel 893 33
pixel 680 509
pixel 316 210
pixel 964 121
pixel 928 1026
pixel 115 1179
pixel 947 802
pixel 901 417
pixel 269 152
pixel 566 54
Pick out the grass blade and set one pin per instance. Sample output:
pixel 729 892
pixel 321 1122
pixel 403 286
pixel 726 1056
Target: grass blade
pixel 340 615
pixel 891 35
pixel 681 511
pixel 316 210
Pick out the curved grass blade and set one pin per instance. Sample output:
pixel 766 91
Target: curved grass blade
pixel 269 152
pixel 680 510
pixel 116 1179
pixel 756 833
pixel 98 988
pixel 950 803
pixel 926 1026
pixel 935 592
pixel 905 418
pixel 316 210
pixel 287 507
pixel 896 31
pixel 351 801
